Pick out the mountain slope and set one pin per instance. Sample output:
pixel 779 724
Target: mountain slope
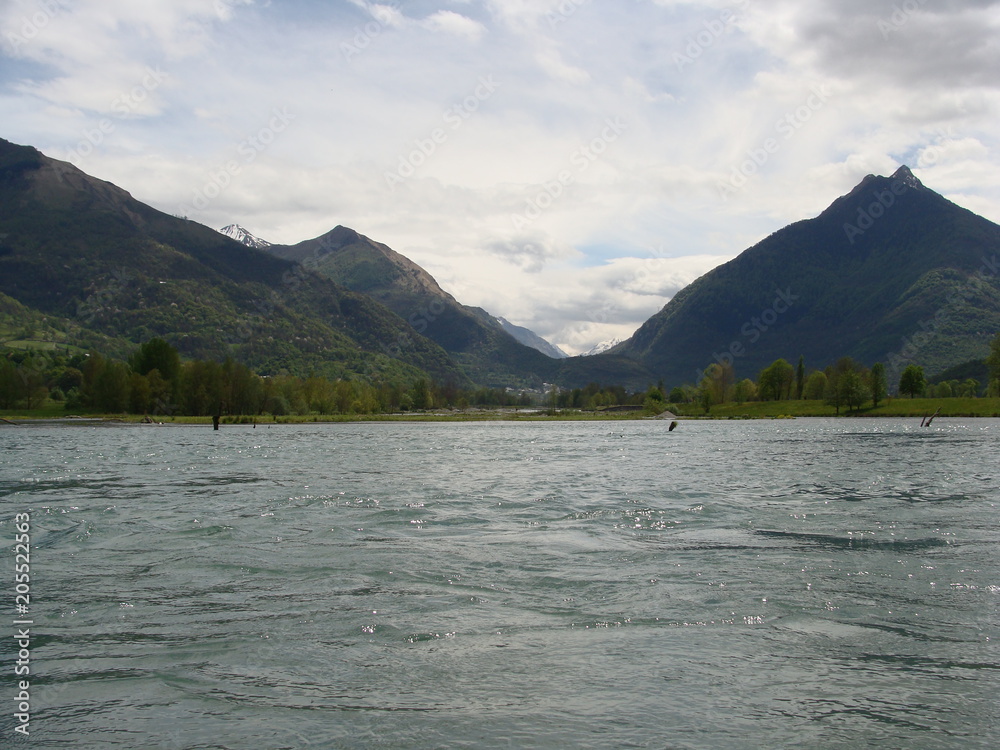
pixel 890 272
pixel 529 338
pixel 78 248
pixel 487 353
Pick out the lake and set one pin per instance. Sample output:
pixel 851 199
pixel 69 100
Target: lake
pixel 810 583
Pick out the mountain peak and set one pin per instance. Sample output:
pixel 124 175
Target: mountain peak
pixel 904 175
pixel 238 233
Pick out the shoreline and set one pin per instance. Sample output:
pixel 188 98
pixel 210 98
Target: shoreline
pixel 25 420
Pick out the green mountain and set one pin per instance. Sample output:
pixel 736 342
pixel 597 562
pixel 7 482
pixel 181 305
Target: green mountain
pixel 476 340
pixel 81 261
pixel 890 272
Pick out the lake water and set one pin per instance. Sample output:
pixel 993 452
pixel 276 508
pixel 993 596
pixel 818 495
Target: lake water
pixel 804 583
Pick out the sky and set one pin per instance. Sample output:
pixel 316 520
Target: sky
pixel 566 164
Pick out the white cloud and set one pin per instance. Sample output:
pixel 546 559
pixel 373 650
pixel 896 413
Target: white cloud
pixel 455 23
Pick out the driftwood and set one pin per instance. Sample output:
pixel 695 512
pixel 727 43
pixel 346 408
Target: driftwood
pixel 926 421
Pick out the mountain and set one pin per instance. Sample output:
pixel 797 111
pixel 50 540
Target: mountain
pixel 601 347
pixel 241 235
pixel 487 353
pixel 82 261
pixel 532 339
pixel 890 272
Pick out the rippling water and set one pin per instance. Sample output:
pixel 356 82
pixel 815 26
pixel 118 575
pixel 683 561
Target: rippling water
pixel 806 583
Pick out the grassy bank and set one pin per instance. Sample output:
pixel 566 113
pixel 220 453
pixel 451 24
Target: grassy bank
pixel 896 407
pixel 486 415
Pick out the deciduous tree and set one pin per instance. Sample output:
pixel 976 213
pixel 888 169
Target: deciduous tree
pixel 877 383
pixel 912 380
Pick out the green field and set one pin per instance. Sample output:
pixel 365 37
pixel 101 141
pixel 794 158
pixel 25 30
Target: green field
pixel 895 407
pixel 898 407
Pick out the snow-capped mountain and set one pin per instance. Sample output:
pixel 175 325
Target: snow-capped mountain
pixel 601 347
pixel 240 234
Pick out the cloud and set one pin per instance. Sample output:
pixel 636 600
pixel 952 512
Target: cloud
pixel 450 22
pixel 551 61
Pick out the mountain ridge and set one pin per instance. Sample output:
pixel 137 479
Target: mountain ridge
pixel 891 271
pixel 477 341
pixel 81 250
pixel 865 278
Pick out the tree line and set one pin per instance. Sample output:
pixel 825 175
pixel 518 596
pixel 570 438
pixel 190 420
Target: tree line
pixel 155 381
pixel 846 384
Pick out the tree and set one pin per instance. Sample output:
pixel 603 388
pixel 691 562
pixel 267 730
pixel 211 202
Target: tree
pixel 139 401
pixel 845 384
pixel 775 381
pixel 912 380
pixel 202 388
pixel 422 398
pixel 970 388
pixel 993 363
pixel 717 381
pixel 160 392
pixel 9 384
pixel 111 387
pixel 832 393
pixel 800 377
pixel 157 354
pixel 852 389
pixel 745 390
pixel 815 385
pixel 705 399
pixel 877 383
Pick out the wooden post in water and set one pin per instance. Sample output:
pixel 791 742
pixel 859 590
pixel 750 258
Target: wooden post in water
pixel 215 422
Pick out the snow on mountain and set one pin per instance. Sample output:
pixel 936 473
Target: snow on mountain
pixel 601 347
pixel 238 233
